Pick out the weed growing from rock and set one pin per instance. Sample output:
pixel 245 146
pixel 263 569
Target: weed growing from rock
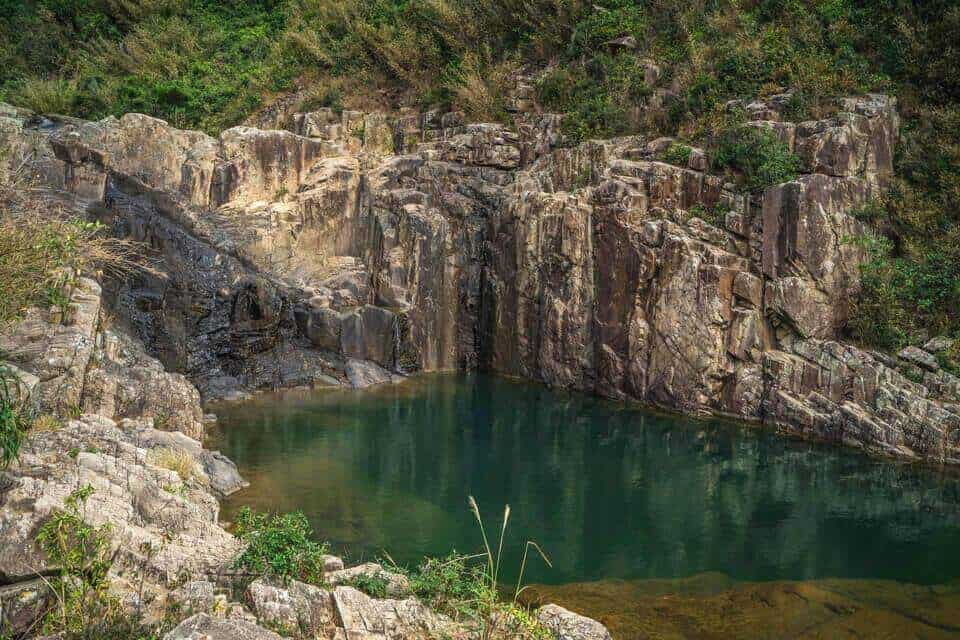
pixel 14 419
pixel 84 608
pixel 280 546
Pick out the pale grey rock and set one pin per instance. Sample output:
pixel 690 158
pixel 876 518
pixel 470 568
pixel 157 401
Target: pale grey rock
pixel 20 383
pixel 161 524
pixel 331 563
pixel 919 357
pixel 57 348
pixel 364 617
pixel 196 596
pixel 295 607
pixel 566 625
pixel 363 374
pixel 122 381
pixel 202 626
pixel 939 344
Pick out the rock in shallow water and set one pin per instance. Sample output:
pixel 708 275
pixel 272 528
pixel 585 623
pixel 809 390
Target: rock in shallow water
pixel 566 625
pixel 363 374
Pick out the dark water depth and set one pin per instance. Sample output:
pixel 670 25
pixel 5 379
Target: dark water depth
pixel 609 491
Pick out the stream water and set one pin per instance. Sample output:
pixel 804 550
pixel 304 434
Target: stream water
pixel 660 525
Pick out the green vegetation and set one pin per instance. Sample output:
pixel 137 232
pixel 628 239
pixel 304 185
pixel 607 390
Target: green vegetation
pixel 84 608
pixel 678 154
pixel 281 546
pixel 372 584
pixel 911 284
pixel 756 156
pixel 468 588
pixel 14 417
pixel 44 249
pixel 199 64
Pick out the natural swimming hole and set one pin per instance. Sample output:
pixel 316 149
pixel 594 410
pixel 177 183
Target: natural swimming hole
pixel 632 506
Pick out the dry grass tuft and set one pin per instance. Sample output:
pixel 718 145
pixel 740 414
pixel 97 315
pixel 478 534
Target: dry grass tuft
pixel 44 247
pixel 175 459
pixel 45 422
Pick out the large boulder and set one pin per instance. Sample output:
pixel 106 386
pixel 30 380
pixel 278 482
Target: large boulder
pixel 163 524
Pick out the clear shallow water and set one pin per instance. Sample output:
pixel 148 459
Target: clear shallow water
pixel 609 491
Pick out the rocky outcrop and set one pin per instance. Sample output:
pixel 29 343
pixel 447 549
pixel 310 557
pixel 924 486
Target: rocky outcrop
pixel 345 612
pixel 162 524
pixel 355 247
pixel 114 420
pixel 56 346
pixel 72 363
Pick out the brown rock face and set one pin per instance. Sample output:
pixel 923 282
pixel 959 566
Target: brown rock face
pixel 419 242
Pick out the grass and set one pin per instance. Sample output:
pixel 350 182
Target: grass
pixel 45 422
pixel 469 589
pixel 175 459
pixel 14 417
pixel 43 249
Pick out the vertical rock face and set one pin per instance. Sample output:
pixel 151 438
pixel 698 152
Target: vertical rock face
pixel 418 242
pixel 809 260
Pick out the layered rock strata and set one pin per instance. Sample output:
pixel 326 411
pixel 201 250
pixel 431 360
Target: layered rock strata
pixel 351 248
pixel 155 490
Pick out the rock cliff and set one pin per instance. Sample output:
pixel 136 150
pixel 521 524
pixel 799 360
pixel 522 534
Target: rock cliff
pixel 129 431
pixel 348 249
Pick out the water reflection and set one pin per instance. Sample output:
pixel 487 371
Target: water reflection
pixel 609 491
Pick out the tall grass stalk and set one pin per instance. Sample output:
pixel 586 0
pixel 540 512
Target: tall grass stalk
pixel 499 619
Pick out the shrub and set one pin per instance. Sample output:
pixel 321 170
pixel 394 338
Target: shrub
pixel 372 584
pixel 597 98
pixel 280 546
pixel 912 279
pixel 452 585
pixel 678 154
pixel 757 157
pixel 55 95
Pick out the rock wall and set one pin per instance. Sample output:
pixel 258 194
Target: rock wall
pixel 354 247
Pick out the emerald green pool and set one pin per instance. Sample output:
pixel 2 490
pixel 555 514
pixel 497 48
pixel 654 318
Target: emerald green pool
pixel 610 491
